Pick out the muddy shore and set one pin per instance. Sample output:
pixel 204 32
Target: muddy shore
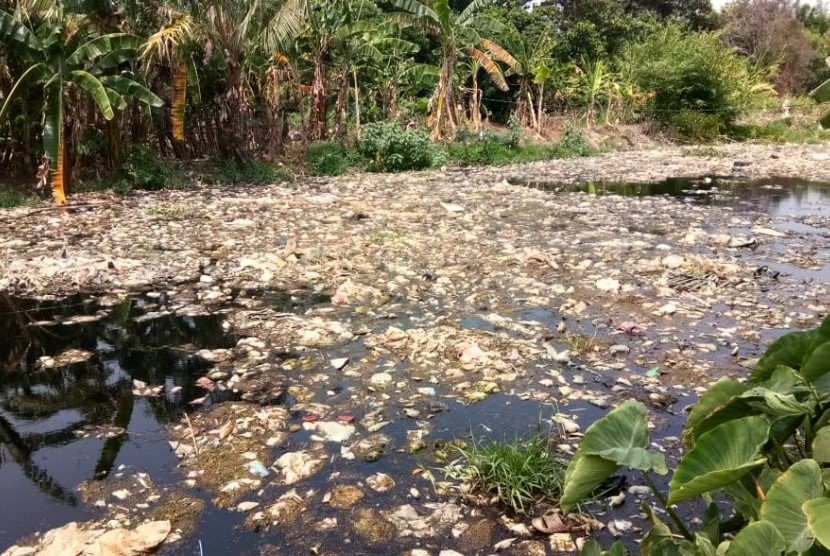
pixel 363 308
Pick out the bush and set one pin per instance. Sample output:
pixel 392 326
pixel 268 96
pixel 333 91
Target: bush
pixel 387 147
pixel 329 158
pixel 147 171
pixel 686 73
pixel 11 198
pixel 696 127
pixel 573 144
pixel 252 172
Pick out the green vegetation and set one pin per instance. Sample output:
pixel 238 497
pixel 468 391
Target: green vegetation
pixel 763 444
pixel 232 171
pixel 11 198
pixel 381 86
pixel 520 473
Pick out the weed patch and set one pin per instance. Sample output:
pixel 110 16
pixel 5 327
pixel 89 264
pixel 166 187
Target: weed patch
pixel 520 473
pixel 248 173
pixel 10 198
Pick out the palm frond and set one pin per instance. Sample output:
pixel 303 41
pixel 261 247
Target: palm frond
pixel 499 53
pixel 162 45
pixel 488 65
pixel 285 25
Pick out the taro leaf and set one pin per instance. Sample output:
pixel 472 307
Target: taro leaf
pixel 714 400
pixel 745 493
pixel 593 548
pixel 761 537
pixel 818 519
pixel 621 435
pixel 637 458
pixel 776 404
pixel 703 546
pixel 822 92
pixel 788 350
pixel 584 474
pixel 721 456
pixel 821 445
pixel 817 367
pixel 800 483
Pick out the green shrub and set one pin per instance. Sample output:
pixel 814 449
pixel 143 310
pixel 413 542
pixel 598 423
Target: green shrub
pixel 147 171
pixel 248 172
pixel 573 144
pixel 329 158
pixel 696 127
pixel 684 72
pixel 11 198
pixel 387 147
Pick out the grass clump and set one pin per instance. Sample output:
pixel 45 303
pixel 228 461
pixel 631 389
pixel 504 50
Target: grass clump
pixel 330 158
pixel 251 172
pixel 781 131
pixel 10 198
pixel 520 473
pixel 146 170
pixel 499 149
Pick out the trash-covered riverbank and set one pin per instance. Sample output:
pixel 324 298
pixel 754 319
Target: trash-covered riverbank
pixel 366 318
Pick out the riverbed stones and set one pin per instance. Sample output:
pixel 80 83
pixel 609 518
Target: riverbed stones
pixel 371 525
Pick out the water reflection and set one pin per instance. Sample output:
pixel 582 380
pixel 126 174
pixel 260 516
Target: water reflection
pixel 44 407
pixel 791 197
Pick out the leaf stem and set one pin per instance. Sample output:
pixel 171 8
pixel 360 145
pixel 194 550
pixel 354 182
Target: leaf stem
pixel 674 517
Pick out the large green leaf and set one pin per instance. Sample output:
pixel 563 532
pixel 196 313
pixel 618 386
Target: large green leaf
pixel 817 366
pixel 128 87
pixel 821 446
pixel 617 439
pixel 34 73
pixel 716 398
pixel 96 90
pixel 113 60
pixel 788 350
pixel 822 92
pixel 818 519
pixel 593 548
pixel 719 458
pixel 12 29
pixel 583 475
pixel 103 45
pixel 761 537
pixel 800 483
pixel 744 493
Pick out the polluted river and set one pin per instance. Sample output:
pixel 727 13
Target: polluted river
pixel 293 369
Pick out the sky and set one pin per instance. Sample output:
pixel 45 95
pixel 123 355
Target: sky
pixel 718 4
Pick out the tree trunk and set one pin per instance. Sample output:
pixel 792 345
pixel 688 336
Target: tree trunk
pixel 442 105
pixel 342 100
pixel 540 109
pixel 356 104
pixel 319 103
pixel 523 112
pixel 475 106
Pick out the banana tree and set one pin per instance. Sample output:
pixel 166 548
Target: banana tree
pixel 456 33
pixel 66 58
pixel 532 65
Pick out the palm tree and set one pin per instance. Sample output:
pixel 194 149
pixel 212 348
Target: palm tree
pixel 67 56
pixel 456 33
